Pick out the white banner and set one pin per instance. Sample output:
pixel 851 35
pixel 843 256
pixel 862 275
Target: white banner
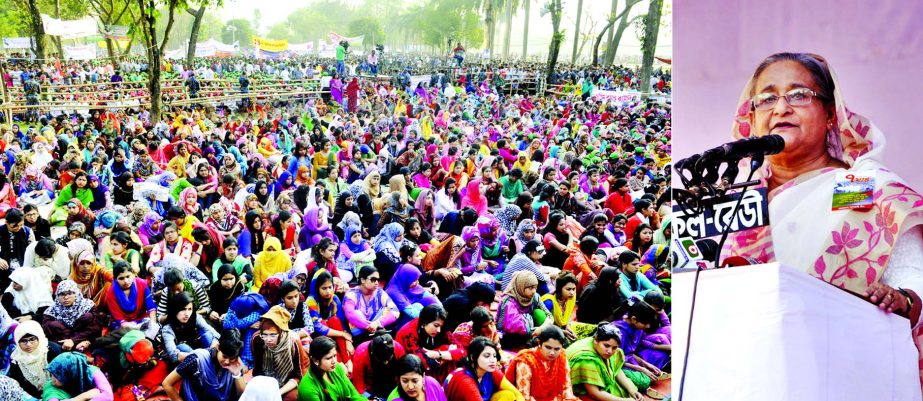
pixel 17 43
pixel 80 52
pixel 336 38
pixel 205 49
pixel 70 29
pixel 327 50
pixel 617 96
pixel 174 54
pixel 301 48
pixel 210 48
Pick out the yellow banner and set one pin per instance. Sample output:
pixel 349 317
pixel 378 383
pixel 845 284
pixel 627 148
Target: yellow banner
pixel 270 45
pixel 122 43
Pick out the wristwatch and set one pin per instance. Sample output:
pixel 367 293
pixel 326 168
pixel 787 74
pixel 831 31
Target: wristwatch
pixel 909 299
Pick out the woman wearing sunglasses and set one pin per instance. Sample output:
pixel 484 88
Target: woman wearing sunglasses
pixel 367 306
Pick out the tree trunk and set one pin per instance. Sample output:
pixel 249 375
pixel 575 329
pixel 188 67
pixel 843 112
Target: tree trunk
pixel 127 51
pixel 56 39
pixel 509 29
pixel 525 33
pixel 155 48
pixel 624 23
pixel 110 47
pixel 615 7
pixel 194 36
pixel 649 44
pixel 607 28
pixel 555 46
pixel 491 21
pixel 38 30
pixel 573 56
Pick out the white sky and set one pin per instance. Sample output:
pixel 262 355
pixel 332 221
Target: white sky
pixel 274 11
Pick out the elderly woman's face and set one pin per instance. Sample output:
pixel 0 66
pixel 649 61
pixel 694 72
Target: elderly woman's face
pixel 803 127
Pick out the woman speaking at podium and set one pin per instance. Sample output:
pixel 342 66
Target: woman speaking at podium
pixel 871 244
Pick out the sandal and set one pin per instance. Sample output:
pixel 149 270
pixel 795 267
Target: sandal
pixel 654 394
pixel 664 376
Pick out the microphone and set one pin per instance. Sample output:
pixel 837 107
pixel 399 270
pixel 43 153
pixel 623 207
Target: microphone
pixel 708 247
pixel 684 251
pixel 747 147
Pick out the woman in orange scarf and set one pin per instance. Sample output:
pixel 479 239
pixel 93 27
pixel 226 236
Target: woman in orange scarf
pixel 542 373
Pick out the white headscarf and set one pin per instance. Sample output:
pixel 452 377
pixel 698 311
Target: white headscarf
pixel 32 364
pixel 262 388
pixel 35 292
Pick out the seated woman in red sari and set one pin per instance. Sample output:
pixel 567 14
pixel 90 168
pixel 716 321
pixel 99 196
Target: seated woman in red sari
pixel 129 300
pixel 425 338
pixel 542 373
pixel 481 379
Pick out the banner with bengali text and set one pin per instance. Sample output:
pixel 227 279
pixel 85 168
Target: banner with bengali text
pixel 617 96
pixel 80 52
pixel 70 29
pixel 270 45
pixel 17 43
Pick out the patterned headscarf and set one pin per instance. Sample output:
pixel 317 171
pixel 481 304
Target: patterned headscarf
pixel 507 216
pixel 69 314
pixel 525 225
pixel 386 241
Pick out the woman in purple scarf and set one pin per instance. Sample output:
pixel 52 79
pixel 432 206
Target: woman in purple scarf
pixel 473 266
pixel 315 228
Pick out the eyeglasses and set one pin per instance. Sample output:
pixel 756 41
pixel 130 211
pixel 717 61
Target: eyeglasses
pixel 374 279
pixel 27 340
pixel 795 98
pixel 540 250
pixel 269 336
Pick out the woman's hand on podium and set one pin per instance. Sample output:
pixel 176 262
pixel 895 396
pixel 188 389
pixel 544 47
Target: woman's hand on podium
pixel 888 299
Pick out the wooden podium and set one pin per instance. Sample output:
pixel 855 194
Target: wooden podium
pixel 770 332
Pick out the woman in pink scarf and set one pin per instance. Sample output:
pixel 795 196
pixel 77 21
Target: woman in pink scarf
pixel 474 196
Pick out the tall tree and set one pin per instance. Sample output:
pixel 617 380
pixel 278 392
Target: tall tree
pixel 57 39
pixel 490 19
pixel 554 8
pixel 573 56
pixel 197 15
pixel 154 47
pixel 510 5
pixel 370 30
pixel 649 43
pixel 615 7
pixel 242 33
pixel 525 30
pixel 624 22
pixel 38 30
